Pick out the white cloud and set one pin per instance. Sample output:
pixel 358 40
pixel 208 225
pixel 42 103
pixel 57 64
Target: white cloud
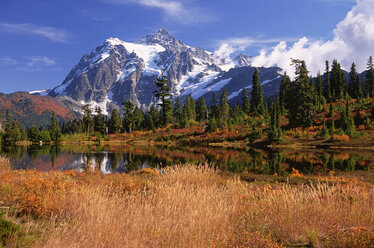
pixel 176 10
pixel 229 46
pixel 353 42
pixel 54 34
pixel 41 61
pixel 7 61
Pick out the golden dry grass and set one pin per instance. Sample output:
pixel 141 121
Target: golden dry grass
pixel 188 206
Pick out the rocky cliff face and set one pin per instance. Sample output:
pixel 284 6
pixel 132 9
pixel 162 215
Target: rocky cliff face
pixel 117 71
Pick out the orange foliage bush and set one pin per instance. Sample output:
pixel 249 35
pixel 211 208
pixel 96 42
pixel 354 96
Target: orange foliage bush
pixel 337 137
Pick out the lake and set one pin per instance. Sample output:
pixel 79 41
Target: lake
pixel 127 158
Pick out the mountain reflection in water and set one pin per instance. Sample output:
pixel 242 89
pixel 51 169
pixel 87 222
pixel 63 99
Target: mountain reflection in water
pixel 123 159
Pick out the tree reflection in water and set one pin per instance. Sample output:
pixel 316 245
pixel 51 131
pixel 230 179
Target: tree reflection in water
pixel 110 159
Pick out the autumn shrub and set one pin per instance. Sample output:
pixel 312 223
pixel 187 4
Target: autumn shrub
pixel 341 137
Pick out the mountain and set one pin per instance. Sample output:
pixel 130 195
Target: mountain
pixel 117 71
pixel 34 109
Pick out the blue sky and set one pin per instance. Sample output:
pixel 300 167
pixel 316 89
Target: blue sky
pixel 42 40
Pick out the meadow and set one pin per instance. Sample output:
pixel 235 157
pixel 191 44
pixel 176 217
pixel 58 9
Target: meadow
pixel 184 206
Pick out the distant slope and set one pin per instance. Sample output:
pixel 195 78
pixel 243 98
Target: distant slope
pixel 34 109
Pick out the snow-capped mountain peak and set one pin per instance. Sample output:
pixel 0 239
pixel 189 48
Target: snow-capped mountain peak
pixel 117 71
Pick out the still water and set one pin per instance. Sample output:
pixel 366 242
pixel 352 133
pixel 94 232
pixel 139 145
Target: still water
pixel 124 159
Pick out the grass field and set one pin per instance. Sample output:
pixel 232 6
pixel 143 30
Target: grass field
pixel 185 206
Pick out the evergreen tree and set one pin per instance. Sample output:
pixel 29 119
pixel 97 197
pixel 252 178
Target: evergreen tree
pixel 224 110
pixel 138 116
pixel 87 118
pixel 354 88
pixel 347 121
pixel 246 103
pixel 178 113
pixel 275 131
pixel 337 81
pixel 99 122
pixel 201 110
pixel 236 115
pixel 284 88
pixel 257 100
pixel 153 118
pixel 128 118
pixel 369 78
pixel 324 132
pixel 115 124
pixel 163 93
pixel 327 91
pixel 13 130
pixel 358 118
pixel 300 97
pixel 319 90
pixel 189 109
pixel 54 129
pixel 212 125
pixel 214 106
pixel 33 134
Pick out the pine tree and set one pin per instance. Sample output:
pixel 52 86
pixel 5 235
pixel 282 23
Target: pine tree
pixel 257 100
pixel 115 124
pixel 178 113
pixel 275 131
pixel 189 109
pixel 212 125
pixel 347 121
pixel 300 97
pixel 99 122
pixel 163 93
pixel 327 91
pixel 319 90
pixel 138 116
pixel 54 129
pixel 87 118
pixel 128 118
pixel 324 132
pixel 354 88
pixel 337 81
pixel 153 118
pixel 214 106
pixel 369 78
pixel 224 110
pixel 284 88
pixel 33 134
pixel 246 103
pixel 201 110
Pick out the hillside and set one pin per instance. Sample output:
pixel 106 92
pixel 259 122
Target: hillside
pixel 34 109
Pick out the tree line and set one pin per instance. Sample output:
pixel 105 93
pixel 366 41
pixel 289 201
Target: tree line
pixel 298 100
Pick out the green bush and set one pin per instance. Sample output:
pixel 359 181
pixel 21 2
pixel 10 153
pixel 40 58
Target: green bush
pixel 7 230
pixel 212 125
pixel 45 136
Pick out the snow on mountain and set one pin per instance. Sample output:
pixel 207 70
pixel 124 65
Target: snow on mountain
pixel 243 60
pixel 249 87
pixel 39 92
pixel 148 53
pixel 117 71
